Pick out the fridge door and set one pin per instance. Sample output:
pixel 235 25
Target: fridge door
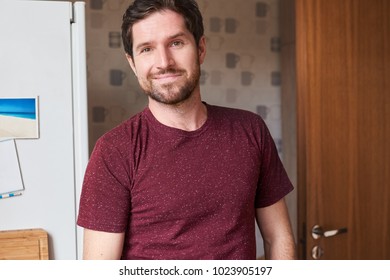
pixel 80 105
pixel 38 48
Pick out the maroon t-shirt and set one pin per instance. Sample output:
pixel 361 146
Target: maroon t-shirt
pixel 180 194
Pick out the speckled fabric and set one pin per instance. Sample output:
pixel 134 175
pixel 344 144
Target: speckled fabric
pixel 183 195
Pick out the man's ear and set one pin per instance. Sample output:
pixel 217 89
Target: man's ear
pixel 202 49
pixel 131 63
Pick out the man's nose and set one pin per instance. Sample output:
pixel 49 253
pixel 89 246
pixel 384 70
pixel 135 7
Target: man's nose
pixel 164 59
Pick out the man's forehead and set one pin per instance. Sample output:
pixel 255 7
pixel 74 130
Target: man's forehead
pixel 163 18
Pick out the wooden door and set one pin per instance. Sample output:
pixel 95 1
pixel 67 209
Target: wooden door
pixel 343 108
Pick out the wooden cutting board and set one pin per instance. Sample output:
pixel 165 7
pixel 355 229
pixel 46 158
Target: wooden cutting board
pixel 30 244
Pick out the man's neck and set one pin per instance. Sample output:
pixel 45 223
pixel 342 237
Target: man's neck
pixel 189 115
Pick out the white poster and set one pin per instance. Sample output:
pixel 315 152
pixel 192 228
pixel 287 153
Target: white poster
pixel 10 175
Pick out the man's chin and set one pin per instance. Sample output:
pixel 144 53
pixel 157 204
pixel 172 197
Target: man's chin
pixel 169 98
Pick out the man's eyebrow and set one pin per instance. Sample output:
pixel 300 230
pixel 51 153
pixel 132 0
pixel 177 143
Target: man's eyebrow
pixel 148 43
pixel 141 45
pixel 180 34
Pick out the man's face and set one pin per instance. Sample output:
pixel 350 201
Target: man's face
pixel 166 58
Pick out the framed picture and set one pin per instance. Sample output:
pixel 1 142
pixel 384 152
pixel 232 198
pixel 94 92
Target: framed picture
pixel 19 118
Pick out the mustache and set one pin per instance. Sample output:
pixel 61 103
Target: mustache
pixel 168 71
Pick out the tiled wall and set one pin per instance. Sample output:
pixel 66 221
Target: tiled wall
pixel 242 64
pixel 242 67
pixel 113 91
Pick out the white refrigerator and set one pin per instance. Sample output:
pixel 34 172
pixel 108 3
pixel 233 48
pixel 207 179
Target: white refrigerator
pixel 43 60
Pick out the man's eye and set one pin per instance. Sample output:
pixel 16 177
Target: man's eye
pixel 145 50
pixel 177 43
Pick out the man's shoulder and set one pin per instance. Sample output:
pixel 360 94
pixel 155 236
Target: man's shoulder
pixel 124 131
pixel 234 114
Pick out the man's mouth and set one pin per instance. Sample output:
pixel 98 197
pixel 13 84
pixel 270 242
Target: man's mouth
pixel 167 76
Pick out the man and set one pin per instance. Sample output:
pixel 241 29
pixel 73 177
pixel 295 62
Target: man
pixel 181 179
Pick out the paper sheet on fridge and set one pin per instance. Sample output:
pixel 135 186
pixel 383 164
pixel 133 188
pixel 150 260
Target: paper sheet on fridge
pixel 10 175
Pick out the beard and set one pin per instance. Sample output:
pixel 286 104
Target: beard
pixel 172 93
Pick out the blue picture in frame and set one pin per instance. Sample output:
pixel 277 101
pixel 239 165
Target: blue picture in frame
pixel 19 118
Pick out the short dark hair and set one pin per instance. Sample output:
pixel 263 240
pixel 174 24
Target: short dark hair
pixel 140 9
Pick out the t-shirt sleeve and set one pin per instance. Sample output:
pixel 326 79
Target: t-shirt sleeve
pixel 105 196
pixel 273 183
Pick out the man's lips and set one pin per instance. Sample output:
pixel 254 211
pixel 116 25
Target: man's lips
pixel 167 76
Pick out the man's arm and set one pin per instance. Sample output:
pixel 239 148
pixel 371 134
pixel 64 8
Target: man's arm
pixel 99 245
pixel 275 228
